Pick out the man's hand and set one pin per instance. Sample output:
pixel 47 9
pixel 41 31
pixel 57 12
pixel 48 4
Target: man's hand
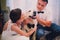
pixel 43 22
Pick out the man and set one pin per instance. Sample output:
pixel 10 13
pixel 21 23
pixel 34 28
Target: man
pixel 45 22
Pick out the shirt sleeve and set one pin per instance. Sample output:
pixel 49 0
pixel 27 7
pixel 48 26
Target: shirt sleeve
pixel 49 16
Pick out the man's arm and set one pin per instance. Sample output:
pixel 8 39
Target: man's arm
pixel 44 22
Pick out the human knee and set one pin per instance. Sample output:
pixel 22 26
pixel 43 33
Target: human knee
pixel 40 32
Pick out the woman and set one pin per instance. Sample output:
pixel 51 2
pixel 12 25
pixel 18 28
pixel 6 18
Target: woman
pixel 13 31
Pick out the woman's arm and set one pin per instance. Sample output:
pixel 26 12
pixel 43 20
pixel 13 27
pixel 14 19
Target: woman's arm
pixel 16 29
pixel 5 26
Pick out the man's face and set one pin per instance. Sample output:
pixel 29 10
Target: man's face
pixel 41 5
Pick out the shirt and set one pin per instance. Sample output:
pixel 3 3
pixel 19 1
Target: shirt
pixel 47 15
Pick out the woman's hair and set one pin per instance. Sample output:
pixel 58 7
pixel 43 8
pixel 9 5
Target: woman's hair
pixel 15 15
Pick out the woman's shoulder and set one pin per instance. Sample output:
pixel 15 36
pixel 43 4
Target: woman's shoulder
pixel 14 26
pixel 6 25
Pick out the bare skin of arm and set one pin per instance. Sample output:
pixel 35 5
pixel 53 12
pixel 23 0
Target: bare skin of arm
pixel 44 22
pixel 5 26
pixel 17 30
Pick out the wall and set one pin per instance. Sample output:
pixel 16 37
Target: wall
pixel 55 10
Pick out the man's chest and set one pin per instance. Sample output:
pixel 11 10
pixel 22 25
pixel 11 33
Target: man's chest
pixel 42 16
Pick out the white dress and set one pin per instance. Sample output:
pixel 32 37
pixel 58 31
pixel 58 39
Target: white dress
pixel 11 35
